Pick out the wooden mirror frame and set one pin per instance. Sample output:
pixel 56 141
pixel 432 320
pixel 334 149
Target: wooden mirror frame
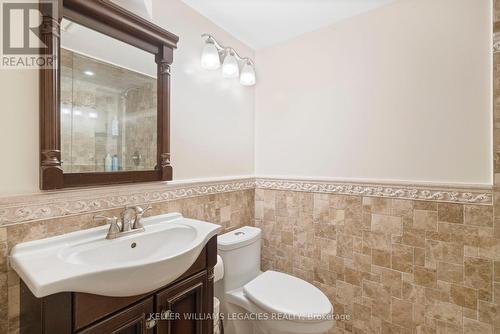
pixel 110 19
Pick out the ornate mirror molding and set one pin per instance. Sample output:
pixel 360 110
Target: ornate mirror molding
pixel 109 19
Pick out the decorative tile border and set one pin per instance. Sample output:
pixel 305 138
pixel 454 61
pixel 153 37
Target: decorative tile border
pixel 51 205
pixel 15 210
pixel 467 195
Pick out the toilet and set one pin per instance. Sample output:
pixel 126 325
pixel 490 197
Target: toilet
pixel 256 302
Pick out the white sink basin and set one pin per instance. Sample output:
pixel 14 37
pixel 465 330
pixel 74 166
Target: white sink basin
pixel 85 261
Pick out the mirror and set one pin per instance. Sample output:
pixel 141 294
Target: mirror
pixel 108 103
pixel 105 107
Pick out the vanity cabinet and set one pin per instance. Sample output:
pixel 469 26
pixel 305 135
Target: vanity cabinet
pixel 183 307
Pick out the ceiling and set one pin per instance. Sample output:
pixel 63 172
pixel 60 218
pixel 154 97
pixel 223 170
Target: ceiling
pixel 262 23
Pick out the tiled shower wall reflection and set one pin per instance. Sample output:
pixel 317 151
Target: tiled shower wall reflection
pixel 394 266
pixel 111 112
pixel 230 209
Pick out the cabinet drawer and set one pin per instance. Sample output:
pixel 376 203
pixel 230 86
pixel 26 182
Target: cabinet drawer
pixel 132 320
pixel 89 308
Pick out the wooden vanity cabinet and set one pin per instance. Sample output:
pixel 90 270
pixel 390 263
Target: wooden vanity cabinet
pixel 182 307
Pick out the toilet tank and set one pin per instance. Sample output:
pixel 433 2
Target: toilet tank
pixel 240 252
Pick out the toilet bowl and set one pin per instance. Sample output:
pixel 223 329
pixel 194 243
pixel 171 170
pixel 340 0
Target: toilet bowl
pixel 256 302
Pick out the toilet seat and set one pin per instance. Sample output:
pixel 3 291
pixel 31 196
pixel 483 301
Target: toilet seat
pixel 292 298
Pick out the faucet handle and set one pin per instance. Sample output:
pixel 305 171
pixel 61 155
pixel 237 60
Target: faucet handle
pixel 108 220
pixel 139 213
pixel 114 227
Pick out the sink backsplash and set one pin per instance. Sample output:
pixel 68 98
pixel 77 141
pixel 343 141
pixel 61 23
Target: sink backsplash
pixel 230 204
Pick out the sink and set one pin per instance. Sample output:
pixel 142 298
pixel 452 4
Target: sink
pixel 130 251
pixel 85 261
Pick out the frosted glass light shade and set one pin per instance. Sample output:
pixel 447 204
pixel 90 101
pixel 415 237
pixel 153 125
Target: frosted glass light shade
pixel 230 67
pixel 247 77
pixel 210 57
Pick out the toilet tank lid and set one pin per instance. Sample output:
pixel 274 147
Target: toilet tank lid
pixel 238 238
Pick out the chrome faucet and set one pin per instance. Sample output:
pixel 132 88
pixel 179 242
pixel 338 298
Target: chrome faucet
pixel 129 222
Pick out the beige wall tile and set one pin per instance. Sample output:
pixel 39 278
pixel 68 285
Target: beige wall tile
pixel 485 295
pixel 451 213
pixel 379 241
pixel 381 258
pixel 425 220
pixel 402 258
pixel 13 301
pixel 345 292
pixel 445 312
pixel 463 296
pixel 413 237
pixel 376 291
pixel 344 245
pixel 478 273
pixel 444 251
pixel 4 319
pixel 479 215
pixel 377 205
pixel 496 293
pixel 489 313
pixel 489 247
pixel 386 224
pixel 425 277
pixel 476 327
pixel 419 256
pixel 425 205
pixel 448 272
pixel 402 313
pixel 470 314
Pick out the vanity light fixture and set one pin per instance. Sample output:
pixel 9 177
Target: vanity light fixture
pixel 93 115
pixel 247 76
pixel 230 67
pixel 211 60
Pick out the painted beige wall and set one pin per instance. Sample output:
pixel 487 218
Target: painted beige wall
pixel 212 118
pixel 399 93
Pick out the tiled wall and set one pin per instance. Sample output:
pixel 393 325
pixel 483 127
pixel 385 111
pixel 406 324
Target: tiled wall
pixel 140 127
pixel 230 209
pixel 496 12
pixel 395 266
